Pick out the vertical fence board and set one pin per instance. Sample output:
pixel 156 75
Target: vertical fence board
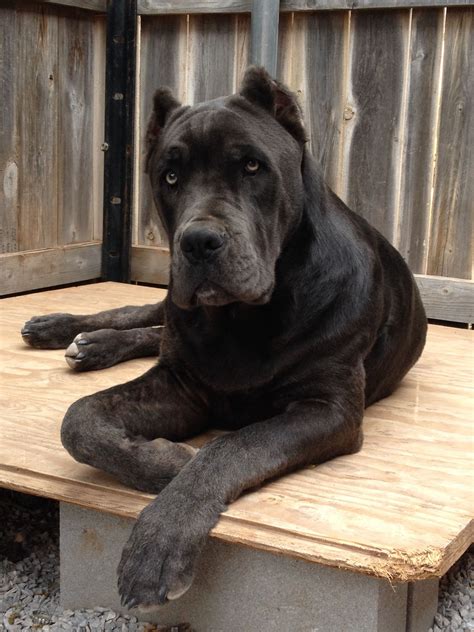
pixel 418 155
pixel 98 123
pixel 162 63
pixel 241 48
pixel 319 50
pixel 372 120
pixel 75 129
pixel 450 252
pixel 37 111
pixel 8 132
pixel 285 46
pixel 211 49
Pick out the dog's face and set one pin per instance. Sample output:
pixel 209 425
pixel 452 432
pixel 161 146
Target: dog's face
pixel 226 179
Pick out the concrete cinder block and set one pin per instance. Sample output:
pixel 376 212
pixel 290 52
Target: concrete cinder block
pixel 236 589
pixel 422 603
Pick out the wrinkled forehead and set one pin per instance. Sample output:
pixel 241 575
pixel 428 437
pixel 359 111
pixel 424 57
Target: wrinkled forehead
pixel 219 125
pixel 209 124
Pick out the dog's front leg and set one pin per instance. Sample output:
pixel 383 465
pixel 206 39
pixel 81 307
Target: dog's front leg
pixel 57 331
pixel 159 560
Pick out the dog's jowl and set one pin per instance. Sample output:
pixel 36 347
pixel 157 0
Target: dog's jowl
pixel 286 315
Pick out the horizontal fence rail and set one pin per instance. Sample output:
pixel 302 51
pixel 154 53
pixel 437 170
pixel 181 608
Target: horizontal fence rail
pixel 177 7
pixel 444 298
pixel 100 6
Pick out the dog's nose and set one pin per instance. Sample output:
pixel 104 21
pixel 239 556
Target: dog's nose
pixel 200 243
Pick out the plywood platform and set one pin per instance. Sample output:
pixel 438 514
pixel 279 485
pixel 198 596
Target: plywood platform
pixel 402 508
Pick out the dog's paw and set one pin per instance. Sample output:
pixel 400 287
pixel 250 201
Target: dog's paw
pixel 94 350
pixel 159 560
pixel 53 331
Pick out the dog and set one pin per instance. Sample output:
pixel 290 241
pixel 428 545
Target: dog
pixel 286 315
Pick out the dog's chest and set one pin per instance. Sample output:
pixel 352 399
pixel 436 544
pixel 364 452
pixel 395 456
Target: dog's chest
pixel 225 353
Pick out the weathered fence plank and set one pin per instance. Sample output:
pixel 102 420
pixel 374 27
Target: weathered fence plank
pixel 92 5
pixel 447 299
pixel 211 56
pixel 98 123
pixel 77 178
pixel 418 155
pixel 333 5
pixel 372 116
pixel 8 133
pixel 241 48
pixel 23 271
pixel 450 249
pixel 173 7
pixel 150 265
pixel 37 111
pixel 162 63
pixel 51 125
pixel 313 61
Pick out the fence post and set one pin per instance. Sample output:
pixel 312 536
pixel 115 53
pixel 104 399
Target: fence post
pixel 264 40
pixel 119 138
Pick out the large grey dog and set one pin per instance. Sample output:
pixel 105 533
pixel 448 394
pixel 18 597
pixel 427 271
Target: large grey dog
pixel 286 315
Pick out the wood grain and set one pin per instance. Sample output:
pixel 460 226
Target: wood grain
pixel 450 246
pixel 211 49
pixel 37 112
pixel 23 271
pixel 162 63
pixel 51 171
pixel 447 299
pixel 8 132
pixel 372 121
pixel 150 265
pixel 418 152
pixel 312 63
pixel 92 5
pixel 79 155
pixel 401 508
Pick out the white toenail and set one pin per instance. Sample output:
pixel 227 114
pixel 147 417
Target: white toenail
pixel 71 362
pixel 72 350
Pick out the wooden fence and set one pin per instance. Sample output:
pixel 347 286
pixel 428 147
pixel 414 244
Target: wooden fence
pixel 51 122
pixel 387 95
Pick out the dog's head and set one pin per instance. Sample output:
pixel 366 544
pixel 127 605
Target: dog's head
pixel 227 183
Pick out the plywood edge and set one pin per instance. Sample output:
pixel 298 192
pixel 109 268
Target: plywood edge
pixel 34 269
pixel 395 565
pixel 168 7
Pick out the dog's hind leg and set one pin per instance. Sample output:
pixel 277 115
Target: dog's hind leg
pixel 57 331
pixel 130 430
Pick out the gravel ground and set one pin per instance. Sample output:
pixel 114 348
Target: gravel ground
pixel 29 580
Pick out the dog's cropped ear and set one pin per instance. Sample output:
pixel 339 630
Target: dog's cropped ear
pixel 164 103
pixel 259 88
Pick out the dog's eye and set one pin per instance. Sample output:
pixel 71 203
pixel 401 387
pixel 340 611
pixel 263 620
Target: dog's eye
pixel 252 166
pixel 171 178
